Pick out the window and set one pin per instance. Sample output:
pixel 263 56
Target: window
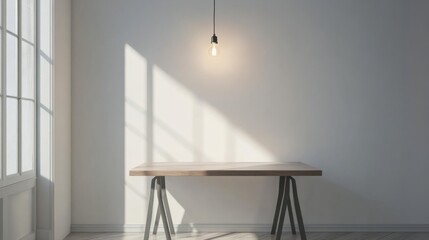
pixel 17 90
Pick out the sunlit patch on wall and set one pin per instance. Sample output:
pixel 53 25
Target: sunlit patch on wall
pixel 166 122
pixel 186 128
pixel 135 139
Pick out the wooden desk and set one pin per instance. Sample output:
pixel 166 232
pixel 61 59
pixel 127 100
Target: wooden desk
pixel 285 171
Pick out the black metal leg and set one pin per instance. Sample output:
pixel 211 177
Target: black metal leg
pixel 162 210
pixel 292 222
pixel 158 215
pixel 298 210
pixel 286 200
pixel 149 211
pixel 166 206
pixel 279 203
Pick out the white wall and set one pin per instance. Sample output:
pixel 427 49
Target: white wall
pixel 341 85
pixel 62 116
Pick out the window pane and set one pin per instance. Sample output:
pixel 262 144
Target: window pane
pixel 27 19
pixel 27 135
pixel 27 71
pixel 45 82
pixel 45 28
pixel 12 15
pixel 12 65
pixel 12 136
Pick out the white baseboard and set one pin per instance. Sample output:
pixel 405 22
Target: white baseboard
pixel 255 228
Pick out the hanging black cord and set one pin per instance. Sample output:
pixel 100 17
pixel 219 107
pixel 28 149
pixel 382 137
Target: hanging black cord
pixel 214 17
pixel 214 37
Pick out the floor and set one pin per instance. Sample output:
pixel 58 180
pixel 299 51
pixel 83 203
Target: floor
pixel 252 236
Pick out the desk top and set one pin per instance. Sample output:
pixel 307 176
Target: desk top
pixel 225 169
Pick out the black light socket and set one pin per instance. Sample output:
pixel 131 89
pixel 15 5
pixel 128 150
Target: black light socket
pixel 214 39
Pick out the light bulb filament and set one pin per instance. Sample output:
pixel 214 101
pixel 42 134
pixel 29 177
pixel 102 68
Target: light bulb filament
pixel 213 50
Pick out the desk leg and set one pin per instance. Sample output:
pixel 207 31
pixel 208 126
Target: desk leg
pixel 158 215
pixel 292 222
pixel 298 210
pixel 166 205
pixel 162 209
pixel 285 203
pixel 279 203
pixel 149 211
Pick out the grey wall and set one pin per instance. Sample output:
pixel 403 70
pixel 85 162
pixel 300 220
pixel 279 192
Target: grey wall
pixel 341 85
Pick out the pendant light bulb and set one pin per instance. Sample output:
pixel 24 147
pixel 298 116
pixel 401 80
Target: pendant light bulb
pixel 214 49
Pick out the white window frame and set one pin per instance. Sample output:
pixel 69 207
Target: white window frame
pixel 6 180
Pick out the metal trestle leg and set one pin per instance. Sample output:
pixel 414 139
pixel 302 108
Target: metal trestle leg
pixel 284 204
pixel 150 208
pixel 279 203
pixel 163 210
pixel 298 210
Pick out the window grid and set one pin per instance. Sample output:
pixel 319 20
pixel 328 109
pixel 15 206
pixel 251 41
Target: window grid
pixel 4 96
